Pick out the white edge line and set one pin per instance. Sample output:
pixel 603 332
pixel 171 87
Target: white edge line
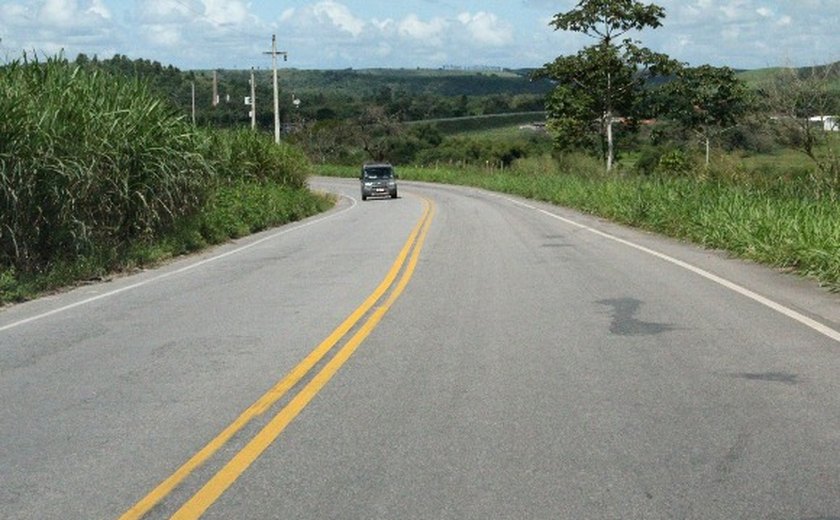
pixel 790 313
pixel 522 204
pixel 178 271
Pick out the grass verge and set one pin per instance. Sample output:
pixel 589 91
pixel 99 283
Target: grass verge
pixel 235 210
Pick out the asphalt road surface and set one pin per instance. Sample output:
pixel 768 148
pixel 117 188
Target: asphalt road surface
pixel 448 354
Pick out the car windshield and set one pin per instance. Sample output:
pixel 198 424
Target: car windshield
pixel 378 173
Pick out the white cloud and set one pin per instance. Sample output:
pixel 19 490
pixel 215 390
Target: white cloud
pixel 98 8
pixel 486 28
pixel 386 26
pixel 70 14
pixel 414 28
pixel 163 35
pixel 218 13
pixel 50 27
pixel 341 33
pixel 413 38
pixel 340 16
pixel 227 12
pixel 162 11
pixel 287 14
pixel 15 15
pixel 59 13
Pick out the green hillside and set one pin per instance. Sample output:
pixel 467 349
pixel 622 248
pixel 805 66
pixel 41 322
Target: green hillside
pixel 379 84
pixel 758 78
pixel 408 94
pixel 369 82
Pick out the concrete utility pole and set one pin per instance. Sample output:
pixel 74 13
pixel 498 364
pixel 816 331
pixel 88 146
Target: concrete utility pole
pixel 274 52
pixel 215 89
pixel 253 101
pixel 192 84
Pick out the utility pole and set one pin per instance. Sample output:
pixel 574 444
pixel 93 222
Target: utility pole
pixel 192 84
pixel 253 101
pixel 274 52
pixel 215 89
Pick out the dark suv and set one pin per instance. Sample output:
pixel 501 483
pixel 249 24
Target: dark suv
pixel 378 180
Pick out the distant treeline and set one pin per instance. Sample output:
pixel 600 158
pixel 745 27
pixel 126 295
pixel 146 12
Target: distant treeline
pixel 407 94
pixel 325 95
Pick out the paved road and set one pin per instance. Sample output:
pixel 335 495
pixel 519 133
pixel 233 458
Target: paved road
pixel 499 359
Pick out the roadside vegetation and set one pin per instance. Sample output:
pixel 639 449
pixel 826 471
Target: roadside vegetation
pixel 100 170
pixel 99 175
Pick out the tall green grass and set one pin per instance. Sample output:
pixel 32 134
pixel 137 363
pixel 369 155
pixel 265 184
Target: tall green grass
pixel 245 155
pixel 88 161
pixel 98 175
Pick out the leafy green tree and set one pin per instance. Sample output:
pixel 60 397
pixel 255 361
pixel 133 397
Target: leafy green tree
pixel 604 81
pixel 705 100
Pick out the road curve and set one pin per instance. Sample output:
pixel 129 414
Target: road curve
pixel 511 360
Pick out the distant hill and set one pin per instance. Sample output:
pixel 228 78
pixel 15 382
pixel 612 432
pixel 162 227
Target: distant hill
pixel 758 77
pixel 329 95
pixel 438 82
pixel 408 94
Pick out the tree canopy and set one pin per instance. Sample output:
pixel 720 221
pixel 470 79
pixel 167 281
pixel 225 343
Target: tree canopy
pixel 706 100
pixel 604 81
pixel 607 20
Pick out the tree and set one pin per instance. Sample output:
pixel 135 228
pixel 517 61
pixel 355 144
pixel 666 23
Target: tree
pixel 326 141
pixel 799 101
pixel 705 100
pixel 606 80
pixel 376 132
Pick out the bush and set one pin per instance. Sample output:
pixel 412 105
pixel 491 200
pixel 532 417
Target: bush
pixel 665 160
pixel 648 160
pixel 247 155
pixel 580 164
pixel 478 151
pixel 241 207
pixel 675 162
pixel 751 137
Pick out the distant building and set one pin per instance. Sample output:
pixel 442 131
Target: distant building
pixel 473 68
pixel 829 123
pixel 537 126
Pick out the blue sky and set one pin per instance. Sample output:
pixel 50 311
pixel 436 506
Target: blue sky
pixel 337 34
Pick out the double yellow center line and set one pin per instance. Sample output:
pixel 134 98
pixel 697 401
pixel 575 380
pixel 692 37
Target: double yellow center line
pixel 240 462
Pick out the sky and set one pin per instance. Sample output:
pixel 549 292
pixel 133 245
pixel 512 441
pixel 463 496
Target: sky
pixel 340 34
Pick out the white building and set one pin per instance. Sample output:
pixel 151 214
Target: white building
pixel 829 123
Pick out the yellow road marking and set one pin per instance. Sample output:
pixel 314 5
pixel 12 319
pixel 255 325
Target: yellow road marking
pixel 282 387
pixel 220 482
